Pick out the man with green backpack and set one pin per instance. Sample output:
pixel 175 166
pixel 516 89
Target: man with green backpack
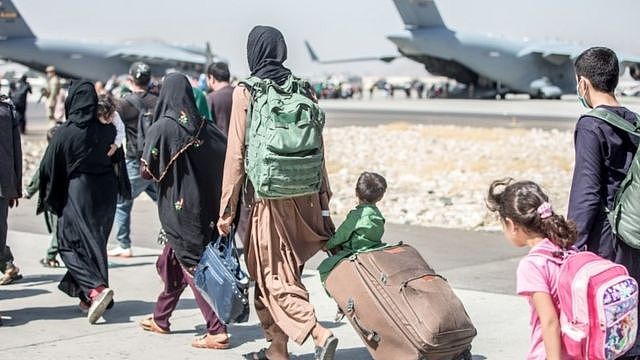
pixel 605 192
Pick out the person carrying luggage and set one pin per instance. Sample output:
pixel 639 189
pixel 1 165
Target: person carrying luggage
pixel 184 154
pixel 364 226
pixel 288 198
pixel 568 291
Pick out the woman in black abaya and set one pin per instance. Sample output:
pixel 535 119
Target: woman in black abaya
pixel 77 183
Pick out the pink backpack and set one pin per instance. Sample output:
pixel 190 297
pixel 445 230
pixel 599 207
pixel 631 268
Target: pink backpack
pixel 598 305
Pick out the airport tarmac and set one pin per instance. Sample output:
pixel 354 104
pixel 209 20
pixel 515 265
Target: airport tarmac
pixel 479 265
pixel 40 322
pixel 511 113
pixel 517 112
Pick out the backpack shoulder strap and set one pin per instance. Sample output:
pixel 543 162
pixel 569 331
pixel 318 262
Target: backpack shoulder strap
pixel 615 120
pixel 302 83
pixel 253 83
pixel 557 257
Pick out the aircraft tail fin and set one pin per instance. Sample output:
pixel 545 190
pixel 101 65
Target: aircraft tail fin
pixel 314 57
pixel 312 54
pixel 419 13
pixel 12 24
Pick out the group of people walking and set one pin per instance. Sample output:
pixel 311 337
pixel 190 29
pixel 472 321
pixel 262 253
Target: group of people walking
pixel 196 170
pixel 193 167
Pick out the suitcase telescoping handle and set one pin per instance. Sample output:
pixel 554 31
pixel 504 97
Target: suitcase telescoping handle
pixel 369 335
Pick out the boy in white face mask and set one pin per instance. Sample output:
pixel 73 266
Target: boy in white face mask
pixel 604 154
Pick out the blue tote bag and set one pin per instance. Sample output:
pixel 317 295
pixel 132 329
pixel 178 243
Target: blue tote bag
pixel 222 282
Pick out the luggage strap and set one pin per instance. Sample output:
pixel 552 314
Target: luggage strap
pixel 404 284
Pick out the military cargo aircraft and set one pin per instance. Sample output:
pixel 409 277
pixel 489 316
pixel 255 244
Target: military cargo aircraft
pixel 94 61
pixel 488 66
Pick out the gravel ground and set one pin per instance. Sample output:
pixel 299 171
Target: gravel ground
pixel 437 175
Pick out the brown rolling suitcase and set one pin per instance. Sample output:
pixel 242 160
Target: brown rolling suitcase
pixel 400 307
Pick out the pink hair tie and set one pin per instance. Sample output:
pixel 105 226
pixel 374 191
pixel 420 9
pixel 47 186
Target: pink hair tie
pixel 545 210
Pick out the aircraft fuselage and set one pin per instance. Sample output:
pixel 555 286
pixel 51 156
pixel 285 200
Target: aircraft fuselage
pixel 482 60
pixel 75 60
pixel 72 59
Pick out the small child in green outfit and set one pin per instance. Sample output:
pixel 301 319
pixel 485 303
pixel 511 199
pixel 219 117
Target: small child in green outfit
pixel 364 226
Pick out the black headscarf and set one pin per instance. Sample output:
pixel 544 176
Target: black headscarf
pixel 71 144
pixel 266 51
pixel 81 104
pixel 176 101
pixel 177 105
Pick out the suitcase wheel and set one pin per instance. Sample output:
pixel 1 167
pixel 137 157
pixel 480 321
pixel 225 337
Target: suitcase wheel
pixel 465 355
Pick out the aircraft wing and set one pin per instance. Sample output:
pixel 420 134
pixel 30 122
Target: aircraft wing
pixel 314 57
pixel 556 54
pixel 559 54
pixel 158 53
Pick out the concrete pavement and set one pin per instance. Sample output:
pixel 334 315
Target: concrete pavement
pixel 513 113
pixel 43 323
pixel 471 260
pixel 568 107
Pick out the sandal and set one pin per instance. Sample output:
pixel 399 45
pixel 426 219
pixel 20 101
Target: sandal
pixel 149 324
pixel 328 350
pixel 206 342
pixel 260 355
pixel 50 263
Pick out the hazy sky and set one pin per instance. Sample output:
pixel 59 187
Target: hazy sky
pixel 335 28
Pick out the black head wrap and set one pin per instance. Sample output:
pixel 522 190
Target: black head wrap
pixel 70 146
pixel 81 103
pixel 176 101
pixel 177 124
pixel 266 51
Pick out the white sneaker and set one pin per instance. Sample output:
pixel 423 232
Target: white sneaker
pixel 120 252
pixel 99 305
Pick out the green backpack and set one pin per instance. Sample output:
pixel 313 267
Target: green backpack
pixel 625 215
pixel 284 153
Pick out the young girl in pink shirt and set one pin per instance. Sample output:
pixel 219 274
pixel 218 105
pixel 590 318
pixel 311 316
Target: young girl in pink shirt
pixel 528 219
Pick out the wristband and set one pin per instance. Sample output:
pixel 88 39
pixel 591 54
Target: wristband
pixel 326 213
